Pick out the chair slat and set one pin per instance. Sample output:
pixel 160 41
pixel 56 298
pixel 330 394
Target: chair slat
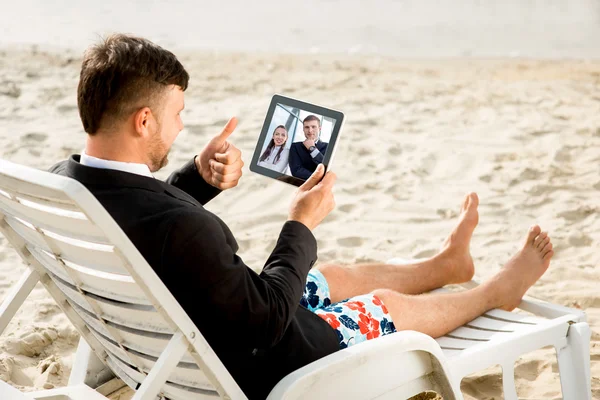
pixel 130 315
pixel 172 391
pixel 458 344
pixel 112 286
pixel 515 317
pixel 475 334
pixel 114 349
pixel 34 190
pixel 65 206
pixel 99 257
pixel 132 383
pixel 149 343
pixel 74 225
pixel 496 325
pixel 50 264
pixel 189 377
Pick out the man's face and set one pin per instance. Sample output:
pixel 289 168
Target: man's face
pixel 168 126
pixel 312 130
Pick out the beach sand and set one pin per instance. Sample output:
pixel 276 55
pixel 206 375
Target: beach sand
pixel 524 135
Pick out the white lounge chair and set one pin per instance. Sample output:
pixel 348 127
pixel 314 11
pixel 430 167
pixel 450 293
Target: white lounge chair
pixel 133 327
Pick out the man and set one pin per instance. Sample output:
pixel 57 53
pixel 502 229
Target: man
pixel 130 95
pixel 305 156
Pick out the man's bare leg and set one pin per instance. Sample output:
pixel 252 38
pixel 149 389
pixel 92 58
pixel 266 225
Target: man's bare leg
pixel 438 314
pixel 452 265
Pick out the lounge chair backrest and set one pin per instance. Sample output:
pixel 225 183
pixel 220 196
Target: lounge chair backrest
pixel 104 284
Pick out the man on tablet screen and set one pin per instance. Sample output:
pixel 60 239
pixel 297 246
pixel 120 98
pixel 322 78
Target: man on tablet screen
pixel 305 156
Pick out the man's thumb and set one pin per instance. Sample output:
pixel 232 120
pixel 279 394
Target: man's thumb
pixel 228 129
pixel 314 179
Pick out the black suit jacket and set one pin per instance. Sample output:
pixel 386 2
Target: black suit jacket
pixel 302 164
pixel 252 321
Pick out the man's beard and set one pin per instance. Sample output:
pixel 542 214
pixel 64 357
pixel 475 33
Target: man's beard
pixel 158 152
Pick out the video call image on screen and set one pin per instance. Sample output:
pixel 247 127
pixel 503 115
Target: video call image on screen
pixel 296 141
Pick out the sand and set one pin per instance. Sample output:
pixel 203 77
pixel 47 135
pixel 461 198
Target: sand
pixel 419 135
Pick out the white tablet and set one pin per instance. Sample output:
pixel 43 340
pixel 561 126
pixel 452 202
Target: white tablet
pixel 295 138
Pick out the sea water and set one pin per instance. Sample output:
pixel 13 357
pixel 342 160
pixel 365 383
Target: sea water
pixel 408 28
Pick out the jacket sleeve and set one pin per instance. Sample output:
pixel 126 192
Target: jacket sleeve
pixel 317 157
pixel 189 180
pixel 58 168
pixel 296 164
pixel 237 305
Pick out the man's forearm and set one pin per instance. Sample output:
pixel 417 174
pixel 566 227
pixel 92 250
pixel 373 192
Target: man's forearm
pixel 189 180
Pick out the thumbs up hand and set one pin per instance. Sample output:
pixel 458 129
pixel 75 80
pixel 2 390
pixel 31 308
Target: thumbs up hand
pixel 220 162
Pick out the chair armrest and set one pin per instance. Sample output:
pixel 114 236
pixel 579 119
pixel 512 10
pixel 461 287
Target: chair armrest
pixel 370 369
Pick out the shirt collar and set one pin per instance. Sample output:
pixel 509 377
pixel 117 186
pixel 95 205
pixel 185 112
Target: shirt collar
pixel 132 168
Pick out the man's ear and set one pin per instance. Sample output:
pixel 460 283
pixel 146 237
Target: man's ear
pixel 141 121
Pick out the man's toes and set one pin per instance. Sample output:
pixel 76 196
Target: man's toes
pixel 465 203
pixel 543 242
pixel 547 247
pixel 548 255
pixel 534 231
pixel 539 239
pixel 473 199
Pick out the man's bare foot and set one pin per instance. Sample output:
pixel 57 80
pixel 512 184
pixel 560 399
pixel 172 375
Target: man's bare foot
pixel 522 271
pixel 455 253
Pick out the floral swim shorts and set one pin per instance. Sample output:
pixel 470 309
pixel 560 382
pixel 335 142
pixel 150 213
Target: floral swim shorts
pixel 355 319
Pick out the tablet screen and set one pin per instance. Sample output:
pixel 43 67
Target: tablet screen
pixel 296 137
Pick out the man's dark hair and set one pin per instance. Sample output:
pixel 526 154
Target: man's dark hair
pixel 312 118
pixel 121 75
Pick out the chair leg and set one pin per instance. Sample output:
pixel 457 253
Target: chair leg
pixel 9 392
pixel 574 363
pixel 17 295
pixel 78 392
pixel 455 383
pixel 87 368
pixel 508 381
pixel 448 387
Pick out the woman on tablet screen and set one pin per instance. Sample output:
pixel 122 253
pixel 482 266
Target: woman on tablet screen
pixel 276 156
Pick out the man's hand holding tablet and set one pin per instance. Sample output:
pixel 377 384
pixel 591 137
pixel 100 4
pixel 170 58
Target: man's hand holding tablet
pixel 314 199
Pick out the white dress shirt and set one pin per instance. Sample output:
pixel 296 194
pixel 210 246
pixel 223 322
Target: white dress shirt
pixel 281 164
pixel 132 168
